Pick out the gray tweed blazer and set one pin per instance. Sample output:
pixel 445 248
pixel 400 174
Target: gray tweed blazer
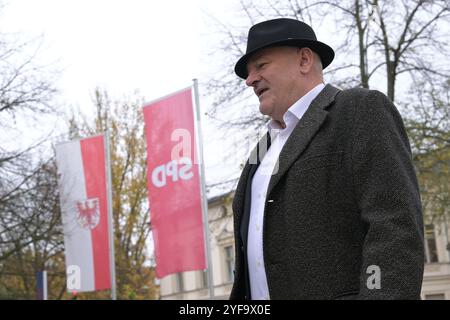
pixel 343 217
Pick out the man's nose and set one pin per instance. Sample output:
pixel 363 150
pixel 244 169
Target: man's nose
pixel 252 78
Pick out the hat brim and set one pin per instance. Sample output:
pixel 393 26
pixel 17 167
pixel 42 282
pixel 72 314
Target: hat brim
pixel 324 51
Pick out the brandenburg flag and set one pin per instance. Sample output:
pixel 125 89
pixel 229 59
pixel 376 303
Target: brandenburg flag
pixel 84 207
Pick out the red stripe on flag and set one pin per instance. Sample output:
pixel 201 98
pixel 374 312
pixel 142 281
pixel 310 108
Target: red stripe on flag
pixel 93 155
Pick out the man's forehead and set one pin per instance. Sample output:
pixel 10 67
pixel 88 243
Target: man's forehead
pixel 269 52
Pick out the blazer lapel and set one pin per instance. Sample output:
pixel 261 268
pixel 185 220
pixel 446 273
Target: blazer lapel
pixel 302 134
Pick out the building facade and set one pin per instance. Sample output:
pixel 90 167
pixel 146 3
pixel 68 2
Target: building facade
pixel 436 279
pixel 193 285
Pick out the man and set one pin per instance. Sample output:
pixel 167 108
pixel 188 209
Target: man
pixel 332 209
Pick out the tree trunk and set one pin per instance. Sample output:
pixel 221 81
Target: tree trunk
pixel 390 69
pixel 362 47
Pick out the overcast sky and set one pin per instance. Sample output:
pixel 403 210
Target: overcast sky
pixel 155 47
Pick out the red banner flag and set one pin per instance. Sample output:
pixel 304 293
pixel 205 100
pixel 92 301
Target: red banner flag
pixel 83 196
pixel 174 184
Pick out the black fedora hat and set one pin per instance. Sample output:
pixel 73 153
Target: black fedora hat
pixel 282 32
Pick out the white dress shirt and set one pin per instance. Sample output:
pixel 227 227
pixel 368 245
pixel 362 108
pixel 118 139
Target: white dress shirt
pixel 260 183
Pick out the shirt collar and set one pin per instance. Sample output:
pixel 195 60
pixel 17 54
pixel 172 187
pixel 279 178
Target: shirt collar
pixel 297 110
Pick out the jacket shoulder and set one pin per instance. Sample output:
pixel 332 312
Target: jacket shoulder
pixel 361 98
pixel 360 93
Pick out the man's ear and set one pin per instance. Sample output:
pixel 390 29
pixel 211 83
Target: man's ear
pixel 306 59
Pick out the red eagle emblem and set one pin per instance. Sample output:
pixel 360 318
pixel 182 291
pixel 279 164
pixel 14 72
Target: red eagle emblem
pixel 88 213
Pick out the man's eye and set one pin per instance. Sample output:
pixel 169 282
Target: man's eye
pixel 262 64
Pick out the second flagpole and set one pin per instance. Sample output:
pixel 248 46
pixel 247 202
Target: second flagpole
pixel 112 264
pixel 203 192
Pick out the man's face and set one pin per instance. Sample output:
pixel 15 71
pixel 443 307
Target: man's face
pixel 274 74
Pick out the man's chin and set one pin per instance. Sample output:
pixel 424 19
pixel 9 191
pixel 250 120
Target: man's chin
pixel 264 109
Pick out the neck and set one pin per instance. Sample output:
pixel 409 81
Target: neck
pixel 280 121
pixel 282 124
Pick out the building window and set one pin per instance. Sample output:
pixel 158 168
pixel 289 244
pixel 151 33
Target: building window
pixel 179 282
pixel 229 263
pixel 203 279
pixel 435 296
pixel 431 254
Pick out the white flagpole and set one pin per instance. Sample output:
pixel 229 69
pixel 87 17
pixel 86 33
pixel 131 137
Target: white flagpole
pixel 203 193
pixel 112 265
pixel 45 285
